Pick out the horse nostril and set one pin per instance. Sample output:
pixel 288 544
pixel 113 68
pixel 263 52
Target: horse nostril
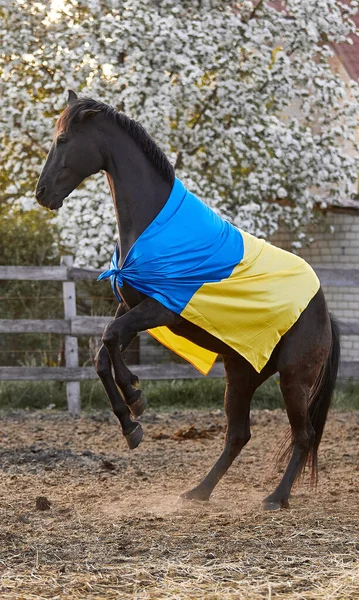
pixel 40 193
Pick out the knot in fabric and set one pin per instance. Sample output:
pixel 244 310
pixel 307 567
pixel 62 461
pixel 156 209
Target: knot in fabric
pixel 115 273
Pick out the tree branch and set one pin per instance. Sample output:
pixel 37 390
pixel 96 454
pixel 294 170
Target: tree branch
pixel 253 13
pixel 178 162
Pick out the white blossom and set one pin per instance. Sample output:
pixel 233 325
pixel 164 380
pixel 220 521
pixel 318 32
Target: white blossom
pixel 242 100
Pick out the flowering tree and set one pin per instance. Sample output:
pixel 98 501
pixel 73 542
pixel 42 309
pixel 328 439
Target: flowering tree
pixel 240 96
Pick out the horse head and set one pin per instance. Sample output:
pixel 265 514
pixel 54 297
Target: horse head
pixel 74 155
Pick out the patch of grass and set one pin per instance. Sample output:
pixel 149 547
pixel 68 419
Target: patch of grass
pixel 32 394
pixel 162 395
pixel 165 395
pixel 185 393
pixel 346 395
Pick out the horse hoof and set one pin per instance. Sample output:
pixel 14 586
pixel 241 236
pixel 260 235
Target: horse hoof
pixel 134 438
pixel 195 494
pixel 274 504
pixel 138 406
pixel 271 505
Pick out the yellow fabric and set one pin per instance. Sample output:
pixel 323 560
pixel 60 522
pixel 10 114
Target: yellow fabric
pixel 199 357
pixel 250 310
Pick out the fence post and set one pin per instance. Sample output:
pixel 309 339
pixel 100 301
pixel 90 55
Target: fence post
pixel 71 346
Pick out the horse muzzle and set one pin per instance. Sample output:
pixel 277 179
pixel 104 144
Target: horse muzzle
pixel 44 200
pixel 40 193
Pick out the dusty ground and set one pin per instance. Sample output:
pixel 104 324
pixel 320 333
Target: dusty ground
pixel 115 528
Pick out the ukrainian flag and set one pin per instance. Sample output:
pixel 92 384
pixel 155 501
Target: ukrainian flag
pixel 238 288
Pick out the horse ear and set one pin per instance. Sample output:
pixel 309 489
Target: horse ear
pixel 71 97
pixel 87 113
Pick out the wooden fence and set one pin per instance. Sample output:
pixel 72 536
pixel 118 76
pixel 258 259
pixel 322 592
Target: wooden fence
pixel 72 326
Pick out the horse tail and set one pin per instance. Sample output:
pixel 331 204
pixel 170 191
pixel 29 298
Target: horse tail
pixel 320 399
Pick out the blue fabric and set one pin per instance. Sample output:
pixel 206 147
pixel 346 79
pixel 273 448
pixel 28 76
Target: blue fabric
pixel 114 273
pixel 185 246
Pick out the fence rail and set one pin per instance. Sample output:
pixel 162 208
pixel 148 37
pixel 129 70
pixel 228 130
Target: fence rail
pixel 95 326
pixel 157 372
pixel 327 275
pixel 62 273
pixel 72 326
pixel 160 371
pixel 75 326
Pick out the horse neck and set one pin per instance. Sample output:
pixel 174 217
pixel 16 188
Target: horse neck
pixel 138 190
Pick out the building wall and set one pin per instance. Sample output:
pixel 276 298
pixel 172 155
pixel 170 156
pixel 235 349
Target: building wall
pixel 340 249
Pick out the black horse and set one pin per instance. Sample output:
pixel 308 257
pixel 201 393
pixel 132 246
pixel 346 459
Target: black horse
pixel 91 136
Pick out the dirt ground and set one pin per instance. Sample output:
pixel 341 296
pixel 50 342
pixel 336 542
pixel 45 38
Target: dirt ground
pixel 116 529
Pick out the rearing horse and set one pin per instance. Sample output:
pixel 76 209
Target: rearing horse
pixel 91 136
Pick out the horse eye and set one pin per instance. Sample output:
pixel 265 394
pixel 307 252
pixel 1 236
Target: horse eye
pixel 61 139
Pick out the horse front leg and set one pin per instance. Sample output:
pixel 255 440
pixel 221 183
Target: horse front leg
pixel 146 315
pixel 132 430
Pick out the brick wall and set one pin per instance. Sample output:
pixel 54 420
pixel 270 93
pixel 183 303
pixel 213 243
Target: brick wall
pixel 337 249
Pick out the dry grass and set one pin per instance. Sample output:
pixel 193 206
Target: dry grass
pixel 115 529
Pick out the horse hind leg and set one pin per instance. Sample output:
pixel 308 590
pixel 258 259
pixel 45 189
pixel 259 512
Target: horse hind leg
pixel 296 397
pixel 307 390
pixel 242 382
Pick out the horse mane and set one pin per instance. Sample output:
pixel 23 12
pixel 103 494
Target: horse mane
pixel 71 115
